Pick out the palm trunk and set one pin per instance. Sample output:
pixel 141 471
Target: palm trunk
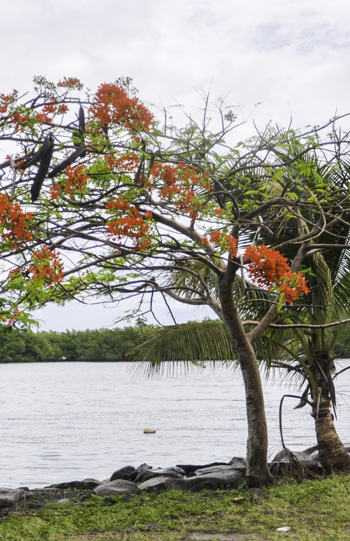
pixel 258 472
pixel 332 453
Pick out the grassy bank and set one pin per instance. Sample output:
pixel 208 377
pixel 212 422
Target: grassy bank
pixel 313 510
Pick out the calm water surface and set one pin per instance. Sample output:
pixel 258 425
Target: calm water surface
pixel 67 421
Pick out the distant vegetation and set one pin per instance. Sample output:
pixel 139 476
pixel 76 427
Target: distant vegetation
pixel 96 345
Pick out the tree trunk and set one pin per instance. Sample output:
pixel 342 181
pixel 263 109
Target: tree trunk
pixel 257 445
pixel 332 453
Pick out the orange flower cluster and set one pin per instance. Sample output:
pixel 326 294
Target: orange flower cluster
pixel 266 265
pixel 19 119
pixel 47 266
pixel 6 99
pixel 129 224
pixel 21 116
pixel 226 242
pixel 62 109
pixel 269 267
pixel 119 203
pixel 51 108
pixel 14 223
pixel 55 191
pixel 293 286
pixel 43 117
pixel 179 183
pixel 128 162
pixel 70 82
pixel 172 175
pixel 76 181
pixel 113 106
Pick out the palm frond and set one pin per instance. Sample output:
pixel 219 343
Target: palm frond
pixel 191 278
pixel 190 343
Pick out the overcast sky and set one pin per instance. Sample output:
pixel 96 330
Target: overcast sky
pixel 290 57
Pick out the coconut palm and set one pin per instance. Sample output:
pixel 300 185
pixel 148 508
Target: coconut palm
pixel 309 348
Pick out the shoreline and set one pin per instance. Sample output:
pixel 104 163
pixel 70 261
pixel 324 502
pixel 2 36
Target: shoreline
pixel 280 465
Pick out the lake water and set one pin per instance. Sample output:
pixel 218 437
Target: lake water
pixel 67 421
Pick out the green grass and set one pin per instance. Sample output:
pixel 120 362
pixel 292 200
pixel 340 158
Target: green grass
pixel 314 510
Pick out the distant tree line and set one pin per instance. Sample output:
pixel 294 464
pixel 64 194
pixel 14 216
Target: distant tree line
pixel 90 345
pixel 104 345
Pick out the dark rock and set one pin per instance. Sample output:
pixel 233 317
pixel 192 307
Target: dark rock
pixel 206 485
pixel 189 469
pixel 301 457
pixel 10 496
pixel 141 469
pixel 238 463
pixel 310 450
pixel 144 467
pixel 144 475
pixel 128 473
pixel 215 469
pixel 314 455
pixel 298 464
pixel 86 484
pixel 176 469
pixel 119 486
pixel 217 479
pixel 162 483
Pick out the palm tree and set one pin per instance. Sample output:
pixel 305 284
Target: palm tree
pixel 308 349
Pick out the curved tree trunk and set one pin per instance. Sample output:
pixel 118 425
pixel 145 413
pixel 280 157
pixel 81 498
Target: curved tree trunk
pixel 258 472
pixel 332 453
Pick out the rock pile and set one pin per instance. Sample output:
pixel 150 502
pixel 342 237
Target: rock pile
pixel 130 480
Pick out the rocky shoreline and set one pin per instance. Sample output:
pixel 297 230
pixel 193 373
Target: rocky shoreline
pixel 129 480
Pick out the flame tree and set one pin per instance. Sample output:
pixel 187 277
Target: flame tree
pixel 121 206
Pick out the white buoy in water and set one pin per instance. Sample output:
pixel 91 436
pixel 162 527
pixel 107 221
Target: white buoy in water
pixel 149 431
